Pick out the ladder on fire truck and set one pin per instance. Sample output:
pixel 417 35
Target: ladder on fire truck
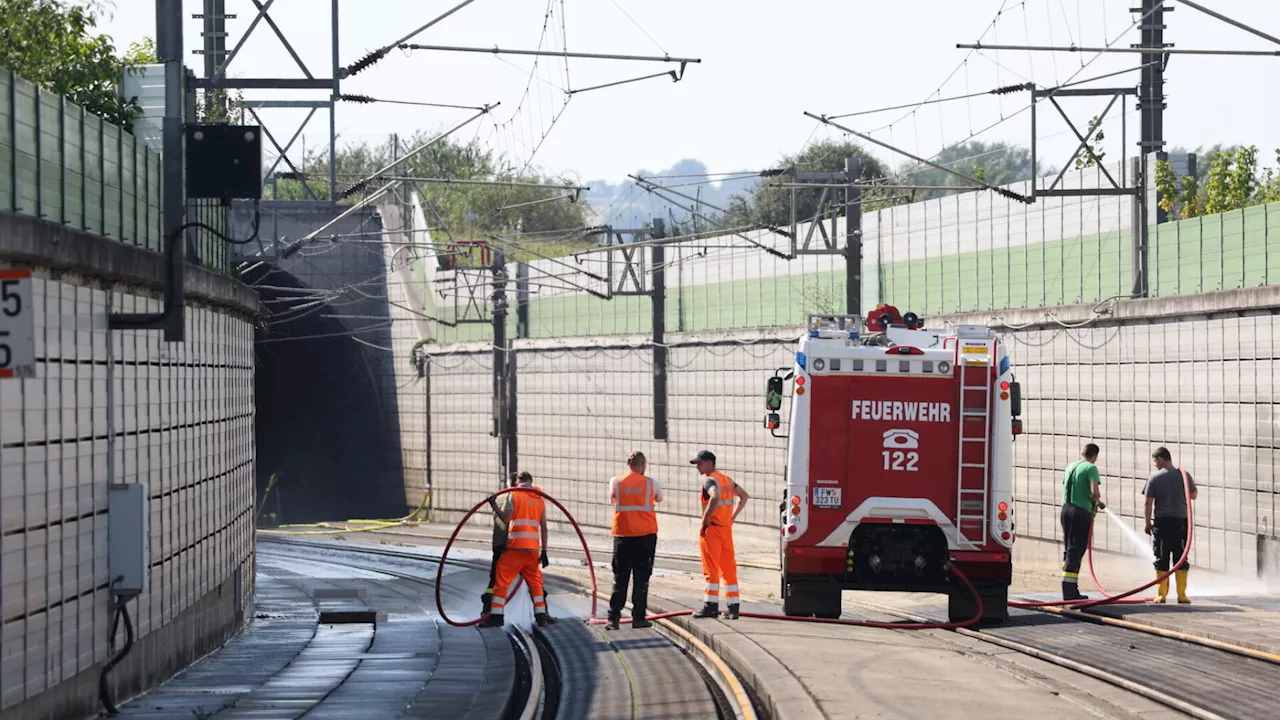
pixel 975 439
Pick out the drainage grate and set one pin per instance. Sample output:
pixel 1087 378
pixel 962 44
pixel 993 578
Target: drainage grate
pixel 346 617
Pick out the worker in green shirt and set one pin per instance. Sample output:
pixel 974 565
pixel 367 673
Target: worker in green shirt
pixel 499 544
pixel 1081 500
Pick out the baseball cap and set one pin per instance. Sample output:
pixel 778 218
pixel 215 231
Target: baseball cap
pixel 704 455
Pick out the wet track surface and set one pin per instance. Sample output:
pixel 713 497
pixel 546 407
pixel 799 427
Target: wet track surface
pixel 411 663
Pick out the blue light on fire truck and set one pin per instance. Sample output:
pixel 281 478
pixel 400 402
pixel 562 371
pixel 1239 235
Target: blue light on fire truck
pixel 800 360
pixel 1004 365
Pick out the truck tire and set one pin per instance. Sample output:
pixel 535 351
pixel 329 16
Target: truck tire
pixel 995 603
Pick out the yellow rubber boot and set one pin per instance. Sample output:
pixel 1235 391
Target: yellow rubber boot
pixel 1162 590
pixel 1181 577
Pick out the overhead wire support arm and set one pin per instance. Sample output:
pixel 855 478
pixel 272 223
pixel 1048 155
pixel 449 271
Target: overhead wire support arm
pixel 1139 50
pixel 495 50
pixel 502 183
pixel 650 186
pixel 1229 21
pixel 675 77
pixel 381 52
pixel 1005 90
pixel 979 183
pixel 359 186
pixel 657 190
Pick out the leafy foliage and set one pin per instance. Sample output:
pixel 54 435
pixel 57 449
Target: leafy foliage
pixel 465 211
pixel 52 43
pixel 1091 154
pixel 996 163
pixel 1232 182
pixel 772 206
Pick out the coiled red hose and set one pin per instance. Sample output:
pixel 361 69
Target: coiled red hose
pixel 595 589
pixel 445 555
pixel 1125 598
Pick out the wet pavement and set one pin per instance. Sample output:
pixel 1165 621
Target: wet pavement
pixel 286 664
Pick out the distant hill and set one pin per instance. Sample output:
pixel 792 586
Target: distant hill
pixel 625 205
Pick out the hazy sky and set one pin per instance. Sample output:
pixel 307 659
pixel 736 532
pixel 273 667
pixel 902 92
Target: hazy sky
pixel 763 63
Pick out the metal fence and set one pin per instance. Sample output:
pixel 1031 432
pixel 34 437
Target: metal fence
pixel 973 251
pixel 66 165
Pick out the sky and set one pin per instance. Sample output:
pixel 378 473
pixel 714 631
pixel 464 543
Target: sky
pixel 763 63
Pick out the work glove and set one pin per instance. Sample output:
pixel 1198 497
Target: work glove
pixel 545 562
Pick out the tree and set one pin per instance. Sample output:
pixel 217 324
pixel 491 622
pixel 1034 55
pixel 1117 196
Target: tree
pixel 52 44
pixel 996 163
pixel 772 205
pixel 467 211
pixel 1232 182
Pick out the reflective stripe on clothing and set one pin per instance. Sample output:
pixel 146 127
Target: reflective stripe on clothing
pixel 527 511
pixel 513 566
pixel 633 502
pixel 718 561
pixel 722 512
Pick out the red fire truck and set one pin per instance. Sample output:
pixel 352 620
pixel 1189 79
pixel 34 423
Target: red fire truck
pixel 899 464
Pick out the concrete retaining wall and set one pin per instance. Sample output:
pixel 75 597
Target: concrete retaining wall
pixel 123 407
pixel 1193 373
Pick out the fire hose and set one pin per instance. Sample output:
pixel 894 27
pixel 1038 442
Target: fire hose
pixel 1125 598
pixel 444 555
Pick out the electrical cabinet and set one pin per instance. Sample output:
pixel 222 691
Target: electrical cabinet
pixel 128 554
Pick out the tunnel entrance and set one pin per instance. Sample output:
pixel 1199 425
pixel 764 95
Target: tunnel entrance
pixel 321 415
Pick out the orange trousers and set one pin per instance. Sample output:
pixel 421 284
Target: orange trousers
pixel 513 565
pixel 718 562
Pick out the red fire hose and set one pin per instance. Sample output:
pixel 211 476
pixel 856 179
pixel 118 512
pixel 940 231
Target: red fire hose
pixel 1124 597
pixel 595 589
pixel 444 555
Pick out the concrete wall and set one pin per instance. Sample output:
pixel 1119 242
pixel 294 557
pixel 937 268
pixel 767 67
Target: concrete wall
pixel 123 407
pixel 1193 373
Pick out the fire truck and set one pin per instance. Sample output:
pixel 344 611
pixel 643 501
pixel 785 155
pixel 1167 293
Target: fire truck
pixel 899 463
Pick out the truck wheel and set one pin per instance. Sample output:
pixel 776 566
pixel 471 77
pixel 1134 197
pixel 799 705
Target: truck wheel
pixel 995 604
pixel 995 598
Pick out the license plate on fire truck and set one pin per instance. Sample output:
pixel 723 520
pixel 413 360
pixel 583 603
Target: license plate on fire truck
pixel 826 497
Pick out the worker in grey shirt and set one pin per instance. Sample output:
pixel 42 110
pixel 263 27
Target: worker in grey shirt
pixel 1167 519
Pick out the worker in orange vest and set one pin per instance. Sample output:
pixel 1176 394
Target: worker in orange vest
pixel 526 520
pixel 635 539
pixel 716 536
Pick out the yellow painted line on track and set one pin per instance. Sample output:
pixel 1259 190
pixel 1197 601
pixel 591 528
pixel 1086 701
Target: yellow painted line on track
pixel 745 709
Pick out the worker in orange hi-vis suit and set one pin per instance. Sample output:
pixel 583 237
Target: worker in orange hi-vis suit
pixel 716 537
pixel 526 519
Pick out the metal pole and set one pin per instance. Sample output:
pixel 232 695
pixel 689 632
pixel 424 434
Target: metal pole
pixel 173 207
pixel 1151 89
pixel 333 106
pixel 522 300
pixel 426 402
pixel 853 237
pixel 511 397
pixel 215 51
pixel 1139 228
pixel 499 271
pixel 659 298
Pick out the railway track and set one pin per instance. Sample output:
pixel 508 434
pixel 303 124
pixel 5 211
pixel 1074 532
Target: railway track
pixel 571 669
pixel 1186 674
pixel 1183 674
